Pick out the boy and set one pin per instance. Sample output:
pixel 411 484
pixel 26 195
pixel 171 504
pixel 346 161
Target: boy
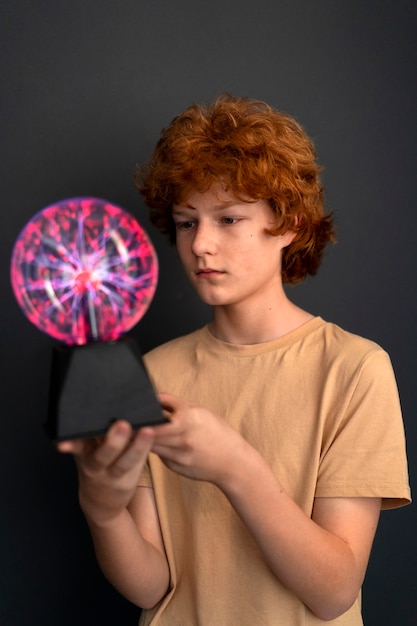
pixel 261 496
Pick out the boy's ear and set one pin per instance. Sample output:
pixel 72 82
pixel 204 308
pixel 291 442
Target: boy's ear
pixel 290 234
pixel 288 237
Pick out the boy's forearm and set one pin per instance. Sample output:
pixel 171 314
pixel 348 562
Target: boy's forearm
pixel 315 564
pixel 136 568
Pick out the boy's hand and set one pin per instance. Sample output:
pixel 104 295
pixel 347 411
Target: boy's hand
pixel 196 443
pixel 109 468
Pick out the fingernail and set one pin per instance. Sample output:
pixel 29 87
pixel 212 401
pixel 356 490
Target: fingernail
pixel 121 429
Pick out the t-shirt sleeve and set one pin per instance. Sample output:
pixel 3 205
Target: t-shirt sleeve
pixel 365 454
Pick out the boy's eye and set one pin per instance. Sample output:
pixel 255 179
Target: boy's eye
pixel 229 220
pixel 184 225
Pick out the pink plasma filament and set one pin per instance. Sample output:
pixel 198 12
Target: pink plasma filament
pixel 84 270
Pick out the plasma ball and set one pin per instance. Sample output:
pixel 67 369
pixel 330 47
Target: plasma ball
pixel 84 270
pixel 83 281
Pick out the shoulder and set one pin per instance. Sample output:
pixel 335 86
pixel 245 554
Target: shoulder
pixel 173 362
pixel 339 337
pixel 342 358
pixel 352 347
pixel 175 349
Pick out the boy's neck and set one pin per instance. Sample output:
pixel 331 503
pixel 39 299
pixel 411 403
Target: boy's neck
pixel 239 325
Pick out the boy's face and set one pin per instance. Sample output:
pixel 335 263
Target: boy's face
pixel 224 249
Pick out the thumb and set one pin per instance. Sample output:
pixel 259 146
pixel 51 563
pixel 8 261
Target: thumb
pixel 170 402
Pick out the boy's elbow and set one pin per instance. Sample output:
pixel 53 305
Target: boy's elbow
pixel 328 615
pixel 335 607
pixel 149 604
pixel 151 600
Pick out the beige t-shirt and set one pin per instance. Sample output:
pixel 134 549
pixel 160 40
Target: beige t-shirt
pixel 321 405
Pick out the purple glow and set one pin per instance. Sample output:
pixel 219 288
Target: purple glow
pixel 83 270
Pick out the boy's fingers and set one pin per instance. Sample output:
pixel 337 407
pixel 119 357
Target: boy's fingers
pixel 170 402
pixel 120 448
pixel 71 446
pixel 99 450
pixel 117 438
pixel 137 452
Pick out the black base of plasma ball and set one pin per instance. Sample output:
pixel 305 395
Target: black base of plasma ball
pixel 93 385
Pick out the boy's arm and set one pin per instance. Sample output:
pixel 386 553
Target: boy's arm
pixel 130 551
pixel 121 516
pixel 322 559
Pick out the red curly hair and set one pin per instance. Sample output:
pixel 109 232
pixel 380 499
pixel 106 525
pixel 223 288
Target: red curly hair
pixel 254 151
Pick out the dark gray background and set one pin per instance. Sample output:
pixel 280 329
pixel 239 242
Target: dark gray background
pixel 86 87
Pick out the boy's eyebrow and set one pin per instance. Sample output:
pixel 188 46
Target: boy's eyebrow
pixel 218 207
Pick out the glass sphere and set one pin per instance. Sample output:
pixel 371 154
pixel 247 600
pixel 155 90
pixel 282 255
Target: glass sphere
pixel 83 270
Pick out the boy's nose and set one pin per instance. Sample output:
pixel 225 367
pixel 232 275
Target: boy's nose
pixel 204 241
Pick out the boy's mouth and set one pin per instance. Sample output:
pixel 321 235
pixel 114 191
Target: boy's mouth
pixel 207 272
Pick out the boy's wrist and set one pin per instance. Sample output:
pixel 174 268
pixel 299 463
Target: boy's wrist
pixel 104 520
pixel 242 464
